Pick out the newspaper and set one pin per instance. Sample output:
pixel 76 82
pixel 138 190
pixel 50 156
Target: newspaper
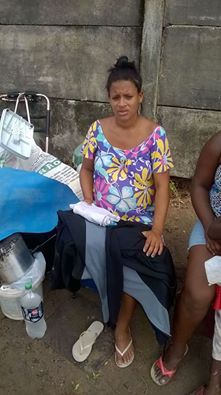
pixel 44 164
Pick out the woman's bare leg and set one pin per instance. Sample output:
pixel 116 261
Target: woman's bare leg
pixel 214 386
pixel 192 305
pixel 122 332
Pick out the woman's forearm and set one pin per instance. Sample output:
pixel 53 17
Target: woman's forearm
pixel 86 181
pixel 201 205
pixel 161 207
pixel 214 230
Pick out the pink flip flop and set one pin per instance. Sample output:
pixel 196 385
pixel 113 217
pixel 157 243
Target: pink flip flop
pixel 160 374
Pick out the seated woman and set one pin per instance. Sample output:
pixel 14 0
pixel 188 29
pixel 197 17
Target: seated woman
pixel 126 162
pixel 196 295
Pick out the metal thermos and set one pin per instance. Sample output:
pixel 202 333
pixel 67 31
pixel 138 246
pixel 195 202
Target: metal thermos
pixel 15 258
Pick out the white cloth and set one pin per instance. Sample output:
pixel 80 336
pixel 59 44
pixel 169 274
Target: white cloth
pixel 92 213
pixel 213 270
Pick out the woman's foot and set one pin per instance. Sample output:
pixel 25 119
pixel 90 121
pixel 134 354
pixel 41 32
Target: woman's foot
pixel 199 391
pixel 124 350
pixel 207 390
pixel 214 386
pixel 165 367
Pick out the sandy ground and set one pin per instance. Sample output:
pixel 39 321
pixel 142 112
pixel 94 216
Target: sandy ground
pixel 46 366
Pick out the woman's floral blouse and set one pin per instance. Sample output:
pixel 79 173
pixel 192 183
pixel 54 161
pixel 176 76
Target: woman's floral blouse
pixel 123 179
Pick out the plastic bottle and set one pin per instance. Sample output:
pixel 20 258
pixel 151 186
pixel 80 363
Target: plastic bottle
pixel 33 313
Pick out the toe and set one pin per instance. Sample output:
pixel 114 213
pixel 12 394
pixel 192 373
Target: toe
pixel 125 359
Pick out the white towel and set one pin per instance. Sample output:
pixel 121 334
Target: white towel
pixel 92 213
pixel 213 270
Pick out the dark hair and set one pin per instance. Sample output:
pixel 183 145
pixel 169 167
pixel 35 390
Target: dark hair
pixel 126 71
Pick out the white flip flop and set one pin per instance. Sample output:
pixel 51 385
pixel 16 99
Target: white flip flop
pixel 122 353
pixel 83 346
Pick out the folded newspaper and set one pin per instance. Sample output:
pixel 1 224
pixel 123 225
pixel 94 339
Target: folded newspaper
pixel 45 164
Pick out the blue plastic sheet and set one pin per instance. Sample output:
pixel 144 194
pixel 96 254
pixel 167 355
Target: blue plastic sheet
pixel 29 202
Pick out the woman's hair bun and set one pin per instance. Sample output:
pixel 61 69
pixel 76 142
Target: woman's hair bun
pixel 123 62
pixel 124 70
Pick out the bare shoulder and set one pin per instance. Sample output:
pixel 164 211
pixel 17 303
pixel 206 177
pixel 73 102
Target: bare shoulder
pixel 148 124
pixel 213 144
pixel 215 139
pixel 210 154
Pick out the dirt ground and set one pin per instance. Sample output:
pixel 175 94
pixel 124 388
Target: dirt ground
pixel 46 366
pixel 180 220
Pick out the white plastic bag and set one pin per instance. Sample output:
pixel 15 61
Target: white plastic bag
pixel 213 270
pixel 16 134
pixel 35 274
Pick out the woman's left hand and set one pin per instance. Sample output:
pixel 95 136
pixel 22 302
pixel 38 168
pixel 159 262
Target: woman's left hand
pixel 154 243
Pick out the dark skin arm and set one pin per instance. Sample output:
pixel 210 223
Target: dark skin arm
pixel 214 230
pixel 203 179
pixel 86 179
pixel 154 241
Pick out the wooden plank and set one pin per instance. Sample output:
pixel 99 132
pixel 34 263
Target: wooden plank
pixel 150 53
pixel 71 12
pixel 193 12
pixel 187 131
pixel 190 69
pixel 64 62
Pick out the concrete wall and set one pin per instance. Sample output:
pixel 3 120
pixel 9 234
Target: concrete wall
pixel 63 49
pixel 72 12
pixel 186 97
pixel 193 12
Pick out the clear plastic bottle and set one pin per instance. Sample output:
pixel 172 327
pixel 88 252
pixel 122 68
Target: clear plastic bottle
pixel 33 313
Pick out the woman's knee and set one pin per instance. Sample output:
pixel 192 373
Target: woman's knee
pixel 196 298
pixel 196 294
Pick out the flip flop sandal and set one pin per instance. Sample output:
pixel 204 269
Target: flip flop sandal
pixel 83 346
pixel 160 374
pixel 199 391
pixel 122 353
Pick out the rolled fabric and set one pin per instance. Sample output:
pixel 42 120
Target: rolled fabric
pixel 95 214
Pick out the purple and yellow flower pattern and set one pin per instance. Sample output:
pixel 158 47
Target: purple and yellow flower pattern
pixel 123 179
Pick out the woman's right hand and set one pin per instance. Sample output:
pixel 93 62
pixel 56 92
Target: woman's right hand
pixel 154 243
pixel 88 201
